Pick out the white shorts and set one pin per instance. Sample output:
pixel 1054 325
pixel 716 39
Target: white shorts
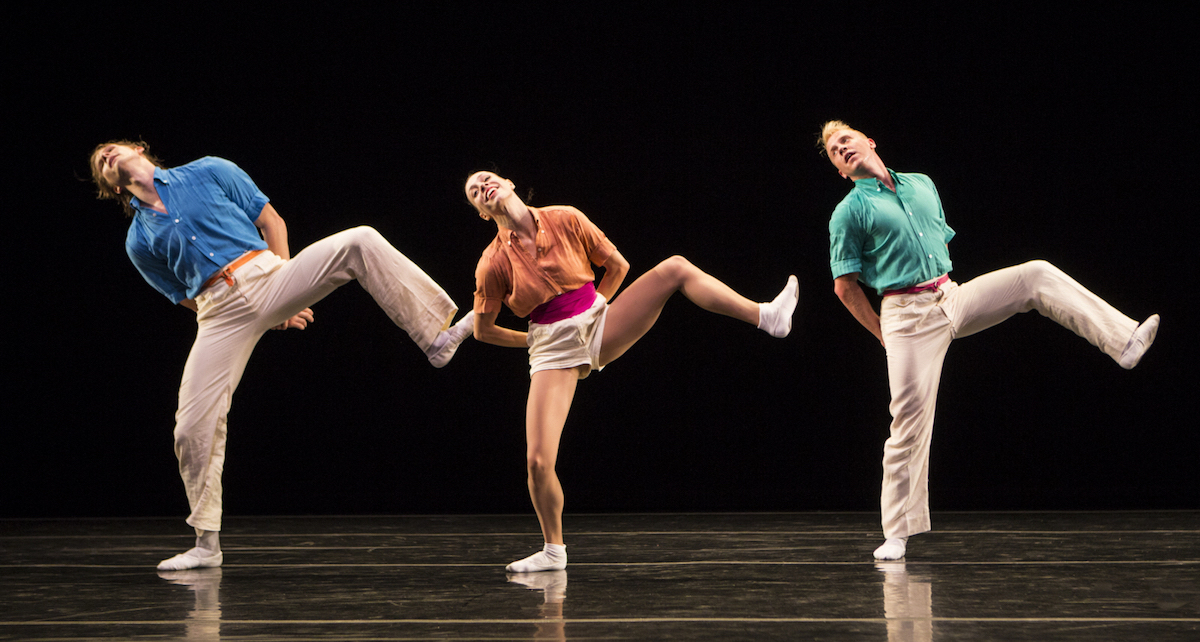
pixel 569 343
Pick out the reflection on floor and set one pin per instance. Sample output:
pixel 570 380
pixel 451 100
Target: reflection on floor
pixel 985 576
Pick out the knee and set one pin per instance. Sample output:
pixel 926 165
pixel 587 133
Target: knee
pixel 539 466
pixel 196 420
pixel 675 268
pixel 364 235
pixel 1039 274
pixel 188 436
pixel 1039 269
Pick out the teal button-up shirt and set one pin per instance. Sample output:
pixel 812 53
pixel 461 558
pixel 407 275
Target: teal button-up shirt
pixel 892 239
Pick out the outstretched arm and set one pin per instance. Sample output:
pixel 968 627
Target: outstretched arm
pixel 274 232
pixel 487 331
pixel 850 293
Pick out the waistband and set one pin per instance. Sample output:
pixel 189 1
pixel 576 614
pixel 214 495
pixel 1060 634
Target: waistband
pixel 924 287
pixel 226 272
pixel 565 305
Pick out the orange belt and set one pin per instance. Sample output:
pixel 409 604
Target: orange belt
pixel 928 287
pixel 226 272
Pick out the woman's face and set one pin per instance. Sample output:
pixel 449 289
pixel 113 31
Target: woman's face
pixel 487 190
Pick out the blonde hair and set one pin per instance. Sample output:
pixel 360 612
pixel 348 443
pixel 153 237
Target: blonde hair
pixel 829 129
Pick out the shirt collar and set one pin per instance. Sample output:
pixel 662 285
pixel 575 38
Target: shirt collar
pixel 537 224
pixel 160 176
pixel 876 185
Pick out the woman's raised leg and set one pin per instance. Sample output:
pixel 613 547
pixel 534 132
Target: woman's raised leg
pixel 632 314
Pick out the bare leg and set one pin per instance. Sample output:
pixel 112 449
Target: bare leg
pixel 632 314
pixel 550 396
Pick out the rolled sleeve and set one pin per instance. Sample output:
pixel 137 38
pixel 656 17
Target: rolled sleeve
pixel 491 285
pixel 238 187
pixel 845 243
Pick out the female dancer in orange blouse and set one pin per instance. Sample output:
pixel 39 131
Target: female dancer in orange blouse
pixel 540 265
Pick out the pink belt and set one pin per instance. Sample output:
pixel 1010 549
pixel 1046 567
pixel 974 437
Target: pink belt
pixel 928 287
pixel 565 305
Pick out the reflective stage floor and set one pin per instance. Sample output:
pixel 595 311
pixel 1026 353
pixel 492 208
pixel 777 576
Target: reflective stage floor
pixel 795 576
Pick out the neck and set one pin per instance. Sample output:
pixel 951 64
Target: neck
pixel 515 217
pixel 141 184
pixel 875 168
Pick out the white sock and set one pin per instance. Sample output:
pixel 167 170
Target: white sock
pixel 552 557
pixel 892 549
pixel 776 317
pixel 447 341
pixel 209 540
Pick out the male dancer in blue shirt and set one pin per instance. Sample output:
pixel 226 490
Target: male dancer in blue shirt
pixel 890 233
pixel 204 236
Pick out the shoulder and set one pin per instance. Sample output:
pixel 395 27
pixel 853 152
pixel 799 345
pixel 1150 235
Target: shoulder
pixel 492 253
pixel 567 217
pixel 849 210
pixel 217 164
pixel 212 166
pixel 493 261
pixel 916 177
pixel 207 166
pixel 136 243
pixel 559 213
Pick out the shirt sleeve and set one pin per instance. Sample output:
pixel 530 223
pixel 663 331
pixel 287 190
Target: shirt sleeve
pixel 491 284
pixel 238 187
pixel 595 243
pixel 157 274
pixel 949 231
pixel 845 241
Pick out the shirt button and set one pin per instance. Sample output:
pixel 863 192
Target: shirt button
pixel 918 234
pixel 931 256
pixel 193 238
pixel 210 253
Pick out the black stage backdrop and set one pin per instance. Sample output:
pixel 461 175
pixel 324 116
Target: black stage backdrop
pixel 686 129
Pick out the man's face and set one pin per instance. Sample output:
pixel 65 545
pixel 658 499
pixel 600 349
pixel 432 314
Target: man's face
pixel 849 150
pixel 110 163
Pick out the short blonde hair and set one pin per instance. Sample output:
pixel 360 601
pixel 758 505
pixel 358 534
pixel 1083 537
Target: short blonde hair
pixel 828 129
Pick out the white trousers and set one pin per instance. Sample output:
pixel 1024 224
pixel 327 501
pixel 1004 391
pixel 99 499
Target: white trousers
pixel 917 330
pixel 267 291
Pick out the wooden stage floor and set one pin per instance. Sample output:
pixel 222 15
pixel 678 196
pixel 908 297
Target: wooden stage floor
pixel 721 576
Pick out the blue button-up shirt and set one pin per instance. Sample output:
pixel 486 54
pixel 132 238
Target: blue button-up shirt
pixel 892 239
pixel 211 208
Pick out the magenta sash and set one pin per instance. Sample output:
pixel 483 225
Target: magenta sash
pixel 565 305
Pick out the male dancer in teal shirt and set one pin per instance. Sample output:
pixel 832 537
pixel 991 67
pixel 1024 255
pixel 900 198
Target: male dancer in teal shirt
pixel 890 233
